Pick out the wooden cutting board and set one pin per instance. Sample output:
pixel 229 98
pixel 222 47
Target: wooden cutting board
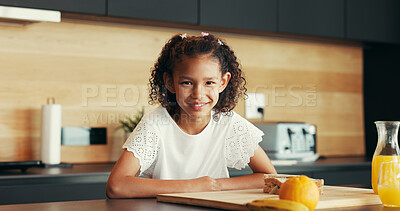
pixel 333 196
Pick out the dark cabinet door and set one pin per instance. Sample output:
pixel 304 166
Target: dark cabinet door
pixel 312 17
pixel 181 11
pixel 95 7
pixel 373 20
pixel 39 193
pixel 252 14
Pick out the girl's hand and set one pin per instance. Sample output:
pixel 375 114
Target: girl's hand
pixel 206 183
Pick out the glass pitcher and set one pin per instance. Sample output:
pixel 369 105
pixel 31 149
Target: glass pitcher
pixel 387 148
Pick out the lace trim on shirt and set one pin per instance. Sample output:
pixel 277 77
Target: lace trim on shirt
pixel 144 144
pixel 240 146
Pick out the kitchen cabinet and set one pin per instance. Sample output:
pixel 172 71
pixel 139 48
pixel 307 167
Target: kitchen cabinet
pixel 355 178
pixel 350 171
pixel 373 20
pixel 251 15
pixel 358 20
pixel 181 11
pixel 332 176
pixel 39 193
pixel 312 17
pixel 95 7
pixel 36 185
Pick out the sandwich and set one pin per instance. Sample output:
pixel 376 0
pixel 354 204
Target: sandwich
pixel 273 182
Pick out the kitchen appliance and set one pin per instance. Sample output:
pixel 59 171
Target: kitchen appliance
pixel 83 136
pixel 22 165
pixel 289 141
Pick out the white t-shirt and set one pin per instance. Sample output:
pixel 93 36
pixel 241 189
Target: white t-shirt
pixel 166 152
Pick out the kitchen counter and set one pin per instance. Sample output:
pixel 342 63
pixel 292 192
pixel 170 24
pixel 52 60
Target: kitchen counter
pixel 88 181
pixel 104 169
pixel 81 182
pixel 324 164
pixel 142 204
pixel 78 173
pixel 348 171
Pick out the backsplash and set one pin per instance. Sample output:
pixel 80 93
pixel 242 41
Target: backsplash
pixel 99 74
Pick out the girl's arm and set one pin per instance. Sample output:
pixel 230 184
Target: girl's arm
pixel 260 164
pixel 122 182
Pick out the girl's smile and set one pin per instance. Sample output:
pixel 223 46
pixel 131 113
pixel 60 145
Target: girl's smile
pixel 198 106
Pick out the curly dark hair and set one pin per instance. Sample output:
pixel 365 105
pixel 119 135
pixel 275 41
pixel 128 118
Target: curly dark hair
pixel 180 46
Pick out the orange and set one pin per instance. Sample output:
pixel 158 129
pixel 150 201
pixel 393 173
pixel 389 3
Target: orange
pixel 300 189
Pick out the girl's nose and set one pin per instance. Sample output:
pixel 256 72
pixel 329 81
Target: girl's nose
pixel 197 92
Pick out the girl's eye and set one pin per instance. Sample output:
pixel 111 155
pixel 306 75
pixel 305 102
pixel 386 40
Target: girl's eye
pixel 210 82
pixel 186 83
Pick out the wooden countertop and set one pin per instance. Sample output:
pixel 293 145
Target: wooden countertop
pixel 140 204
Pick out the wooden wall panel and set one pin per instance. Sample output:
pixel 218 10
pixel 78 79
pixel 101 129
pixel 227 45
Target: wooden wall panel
pixel 309 82
pixel 80 64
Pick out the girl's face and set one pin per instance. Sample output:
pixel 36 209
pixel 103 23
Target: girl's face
pixel 197 83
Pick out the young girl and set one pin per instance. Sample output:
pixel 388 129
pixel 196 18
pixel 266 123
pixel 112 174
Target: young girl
pixel 187 144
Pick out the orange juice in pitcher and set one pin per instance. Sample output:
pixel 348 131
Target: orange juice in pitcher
pixel 389 184
pixel 387 148
pixel 376 163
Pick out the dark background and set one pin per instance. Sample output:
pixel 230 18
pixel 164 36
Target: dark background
pixel 381 88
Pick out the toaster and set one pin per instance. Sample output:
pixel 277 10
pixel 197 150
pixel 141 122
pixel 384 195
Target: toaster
pixel 289 141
